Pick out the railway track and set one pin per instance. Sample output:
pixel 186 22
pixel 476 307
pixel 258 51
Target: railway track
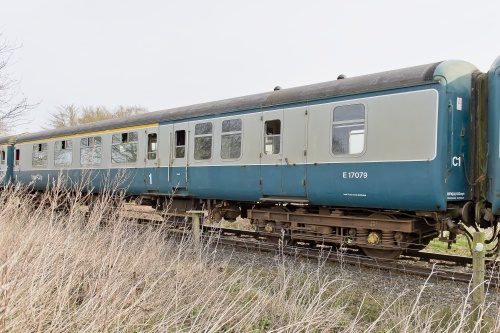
pixel 245 239
pixel 251 241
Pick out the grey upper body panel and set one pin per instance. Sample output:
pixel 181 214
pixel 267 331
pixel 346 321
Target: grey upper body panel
pixel 373 82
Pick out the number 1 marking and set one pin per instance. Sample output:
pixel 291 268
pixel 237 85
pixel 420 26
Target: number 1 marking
pixel 150 179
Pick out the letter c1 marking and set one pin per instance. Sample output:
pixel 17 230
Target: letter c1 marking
pixel 455 161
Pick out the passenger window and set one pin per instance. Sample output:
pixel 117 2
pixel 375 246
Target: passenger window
pixel 125 137
pixel 231 139
pixel 152 146
pixel 91 150
pixel 180 144
pixel 272 137
pixel 203 141
pixel 124 147
pixel 348 129
pixel 39 157
pixel 63 152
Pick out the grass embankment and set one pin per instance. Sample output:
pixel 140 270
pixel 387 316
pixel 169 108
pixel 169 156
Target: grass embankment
pixel 60 272
pixel 461 246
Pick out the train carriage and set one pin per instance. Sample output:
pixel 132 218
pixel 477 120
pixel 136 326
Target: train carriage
pixel 380 161
pixel 491 156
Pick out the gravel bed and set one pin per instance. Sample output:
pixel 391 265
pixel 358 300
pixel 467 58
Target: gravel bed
pixel 378 283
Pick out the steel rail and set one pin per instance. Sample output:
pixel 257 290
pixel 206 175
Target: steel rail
pixel 434 272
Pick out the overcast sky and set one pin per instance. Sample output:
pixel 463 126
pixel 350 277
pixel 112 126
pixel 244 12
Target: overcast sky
pixel 164 54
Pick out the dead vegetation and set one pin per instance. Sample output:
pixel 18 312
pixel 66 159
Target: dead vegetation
pixel 61 271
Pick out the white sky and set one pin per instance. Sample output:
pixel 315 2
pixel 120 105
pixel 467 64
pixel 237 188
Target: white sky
pixel 163 54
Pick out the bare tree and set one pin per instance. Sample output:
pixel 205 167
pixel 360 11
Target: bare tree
pixel 89 114
pixel 65 116
pixel 14 105
pixel 70 115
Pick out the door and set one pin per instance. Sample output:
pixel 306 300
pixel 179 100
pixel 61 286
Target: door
pixel 271 154
pixel 294 147
pixel 6 163
pixel 179 165
pixel 151 161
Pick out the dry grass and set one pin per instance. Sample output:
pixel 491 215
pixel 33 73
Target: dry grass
pixel 62 272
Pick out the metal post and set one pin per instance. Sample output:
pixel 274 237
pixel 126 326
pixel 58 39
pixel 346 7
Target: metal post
pixel 478 270
pixel 195 218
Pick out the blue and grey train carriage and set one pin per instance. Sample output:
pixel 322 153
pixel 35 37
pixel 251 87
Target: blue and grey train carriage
pixel 490 142
pixel 382 161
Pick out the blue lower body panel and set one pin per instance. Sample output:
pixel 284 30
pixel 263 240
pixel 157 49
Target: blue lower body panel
pixel 388 185
pixel 402 185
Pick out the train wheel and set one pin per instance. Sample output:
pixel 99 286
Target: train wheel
pixel 384 254
pixel 381 253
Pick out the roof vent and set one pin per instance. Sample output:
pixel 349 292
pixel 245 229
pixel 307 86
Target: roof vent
pixel 341 77
pixel 277 88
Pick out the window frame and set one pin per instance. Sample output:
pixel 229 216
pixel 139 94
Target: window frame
pixel 93 148
pixel 353 122
pixel 125 139
pixel 279 135
pixel 152 154
pixel 17 156
pixel 231 133
pixel 64 148
pixel 41 148
pixel 202 136
pixel 179 146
